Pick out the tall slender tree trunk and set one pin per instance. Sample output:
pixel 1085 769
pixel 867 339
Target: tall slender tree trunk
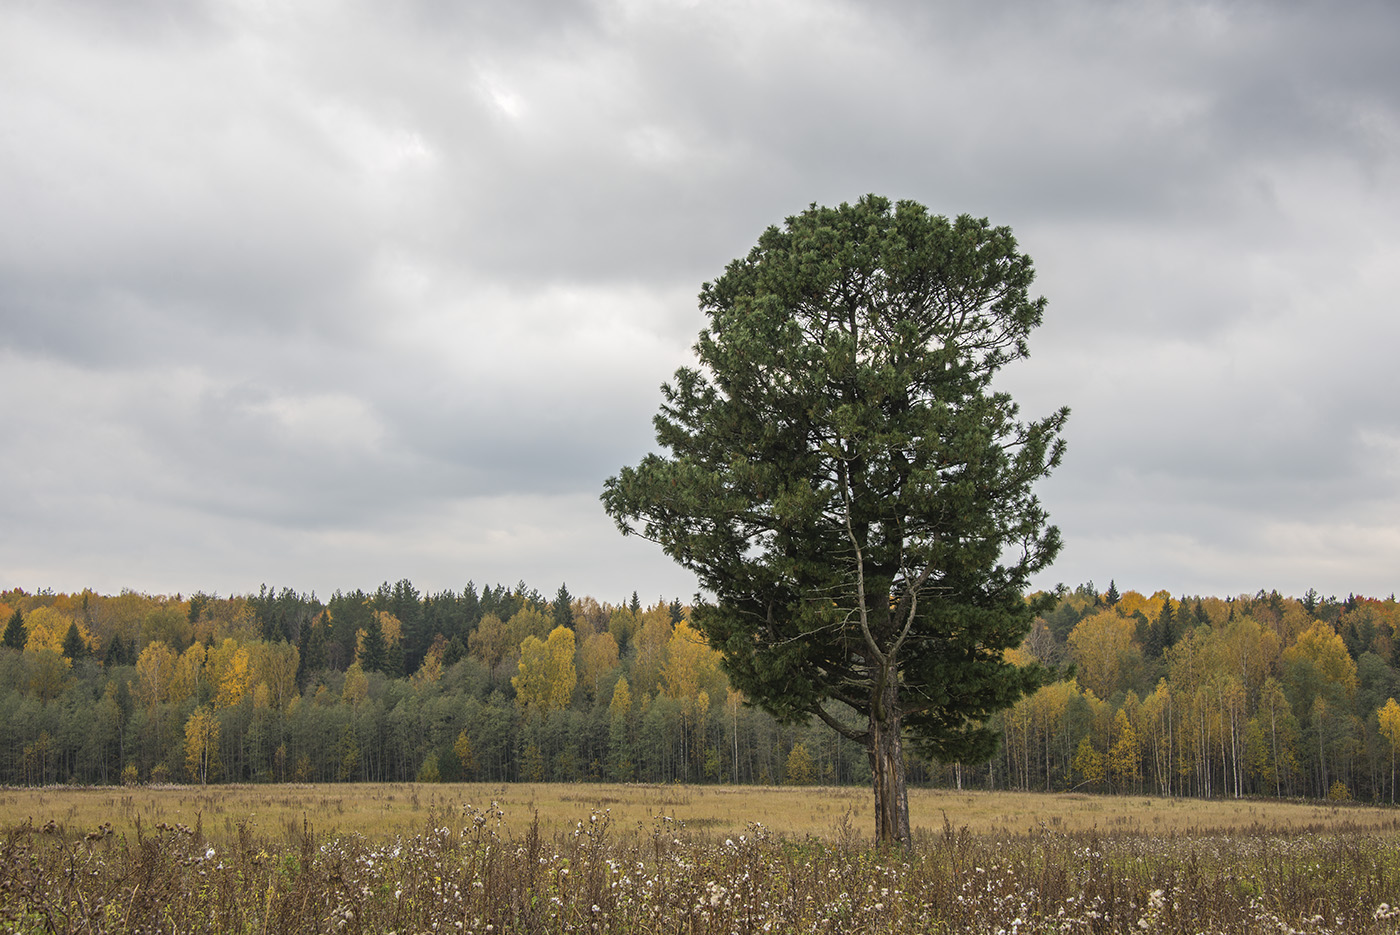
pixel 1026 756
pixel 1273 733
pixel 736 744
pixel 1237 774
pixel 685 752
pixel 1047 758
pixel 886 751
pixel 1321 762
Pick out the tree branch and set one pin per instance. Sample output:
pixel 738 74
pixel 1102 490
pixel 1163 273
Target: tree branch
pixel 850 733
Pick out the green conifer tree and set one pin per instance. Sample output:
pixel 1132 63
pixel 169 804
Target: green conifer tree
pixel 15 635
pixel 73 646
pixel 845 481
pixel 373 652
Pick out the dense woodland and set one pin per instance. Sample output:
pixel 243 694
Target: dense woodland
pixel 1263 695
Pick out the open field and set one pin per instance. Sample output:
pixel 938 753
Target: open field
pixel 600 860
pixel 382 811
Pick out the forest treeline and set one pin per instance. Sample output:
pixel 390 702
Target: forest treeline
pixel 1251 695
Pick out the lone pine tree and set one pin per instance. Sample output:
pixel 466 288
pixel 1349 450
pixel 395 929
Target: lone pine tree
pixel 848 487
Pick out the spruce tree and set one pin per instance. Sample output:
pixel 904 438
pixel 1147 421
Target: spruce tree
pixel 373 652
pixel 394 665
pixel 562 608
pixel 15 635
pixel 454 653
pixel 73 646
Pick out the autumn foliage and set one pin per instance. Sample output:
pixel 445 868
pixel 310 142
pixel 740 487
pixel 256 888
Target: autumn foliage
pixel 1251 695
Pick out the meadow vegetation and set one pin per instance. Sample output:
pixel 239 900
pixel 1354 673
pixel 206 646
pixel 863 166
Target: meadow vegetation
pixel 385 810
pixel 550 860
pixel 1246 703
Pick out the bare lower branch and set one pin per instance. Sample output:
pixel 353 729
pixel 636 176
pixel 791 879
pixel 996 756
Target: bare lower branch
pixel 861 737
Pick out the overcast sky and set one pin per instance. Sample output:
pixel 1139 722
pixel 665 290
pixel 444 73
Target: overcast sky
pixel 321 294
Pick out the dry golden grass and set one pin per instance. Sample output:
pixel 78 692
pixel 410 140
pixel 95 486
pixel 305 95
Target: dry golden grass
pixel 381 811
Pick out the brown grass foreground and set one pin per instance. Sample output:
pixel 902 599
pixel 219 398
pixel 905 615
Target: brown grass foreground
pixel 615 859
pixel 382 811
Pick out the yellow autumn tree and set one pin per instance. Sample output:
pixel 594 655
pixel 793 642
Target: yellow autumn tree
pixel 224 618
pixel 1246 649
pixel 47 628
pixel 799 770
pixel 702 709
pixel 1320 657
pixel 463 749
pixel 652 640
pixel 621 703
pixel 1294 621
pixel 275 665
pixel 356 688
pixel 189 673
pixel 230 672
pixel 529 621
pixel 597 657
pixel 1156 735
pixel 563 674
pixel 490 641
pixel 1088 762
pixel 155 671
pixel 1389 718
pixel 589 616
pixel 122 616
pixel 546 679
pixel 1048 706
pixel 391 626
pixel 1103 649
pixel 1132 602
pixel 48 673
pixel 619 737
pixel 1124 757
pixel 202 744
pixel 531 679
pixel 430 670
pixel 167 622
pixel 690 663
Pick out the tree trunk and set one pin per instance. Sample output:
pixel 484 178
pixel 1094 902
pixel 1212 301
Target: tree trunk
pixel 736 744
pixel 1273 728
pixel 886 751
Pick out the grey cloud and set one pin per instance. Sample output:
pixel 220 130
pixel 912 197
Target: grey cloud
pixel 310 288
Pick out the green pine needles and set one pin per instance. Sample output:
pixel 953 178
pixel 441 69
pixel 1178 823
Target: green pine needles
pixel 848 486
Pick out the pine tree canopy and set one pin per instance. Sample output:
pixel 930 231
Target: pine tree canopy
pixel 852 492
